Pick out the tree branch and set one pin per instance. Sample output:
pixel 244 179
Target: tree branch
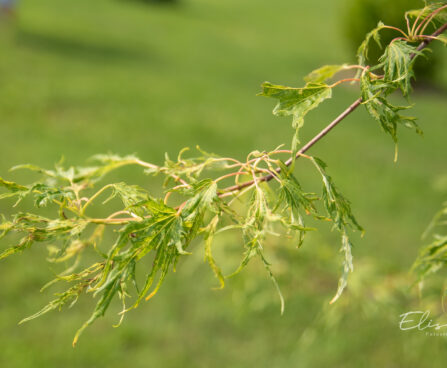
pixel 234 188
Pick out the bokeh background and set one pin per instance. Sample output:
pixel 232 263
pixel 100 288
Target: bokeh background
pixel 84 77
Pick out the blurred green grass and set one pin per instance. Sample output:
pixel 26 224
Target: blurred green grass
pixel 80 78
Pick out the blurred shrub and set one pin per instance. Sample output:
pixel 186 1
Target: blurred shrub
pixel 363 15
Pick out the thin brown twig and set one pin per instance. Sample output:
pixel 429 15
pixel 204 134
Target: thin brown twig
pixel 408 24
pixel 343 81
pixel 396 29
pixel 425 43
pixel 413 29
pixel 230 175
pixel 237 188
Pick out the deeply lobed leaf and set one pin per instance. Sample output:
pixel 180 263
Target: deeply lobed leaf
pixel 296 102
pixel 397 63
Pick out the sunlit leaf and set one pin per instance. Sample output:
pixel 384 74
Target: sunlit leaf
pixel 296 102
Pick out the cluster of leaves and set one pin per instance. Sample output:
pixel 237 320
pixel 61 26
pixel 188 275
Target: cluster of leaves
pixel 152 228
pixel 396 65
pixel 270 199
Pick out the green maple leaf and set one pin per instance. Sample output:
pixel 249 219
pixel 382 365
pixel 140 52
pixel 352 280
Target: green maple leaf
pixel 296 102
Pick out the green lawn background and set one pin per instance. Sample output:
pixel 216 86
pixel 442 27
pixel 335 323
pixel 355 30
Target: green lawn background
pixel 80 78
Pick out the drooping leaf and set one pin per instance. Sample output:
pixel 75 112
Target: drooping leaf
pixel 24 243
pixel 73 247
pixel 69 297
pixel 101 307
pixel 267 266
pixel 362 52
pixel 387 115
pixel 297 201
pixel 337 206
pixel 347 267
pixel 292 193
pixel 35 228
pixel 209 234
pixel 339 211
